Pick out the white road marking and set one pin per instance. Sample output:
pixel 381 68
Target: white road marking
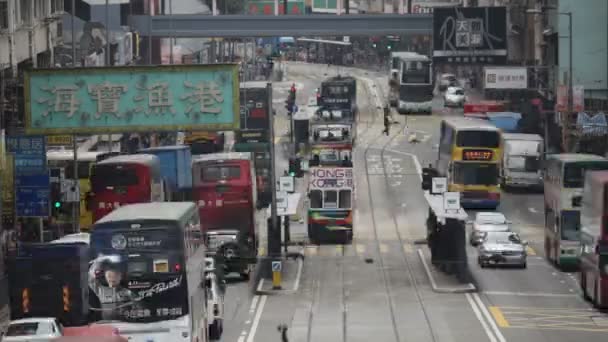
pixel 414 158
pixel 260 284
pixel 477 312
pixel 254 302
pixel 296 285
pixel 241 339
pixel 532 210
pixel 256 319
pixel 426 268
pixel 527 294
pixel 487 315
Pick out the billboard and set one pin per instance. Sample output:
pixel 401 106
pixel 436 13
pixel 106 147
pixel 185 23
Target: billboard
pixel 266 7
pixel 505 78
pixel 132 99
pixel 470 35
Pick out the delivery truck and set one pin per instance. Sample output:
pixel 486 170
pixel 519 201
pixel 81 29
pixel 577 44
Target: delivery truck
pixel 521 160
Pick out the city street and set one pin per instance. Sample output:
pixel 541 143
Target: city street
pixel 377 288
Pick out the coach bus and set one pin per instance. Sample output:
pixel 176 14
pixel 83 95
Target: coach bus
pixel 123 180
pixel 469 157
pixel 594 239
pixel 64 159
pixel 331 199
pixel 147 275
pixel 564 176
pixel 415 84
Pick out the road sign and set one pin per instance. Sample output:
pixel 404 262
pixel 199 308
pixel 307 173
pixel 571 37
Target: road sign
pixel 277 266
pixel 287 184
pixel 439 186
pixel 282 200
pixel 32 202
pixel 451 201
pixel 59 140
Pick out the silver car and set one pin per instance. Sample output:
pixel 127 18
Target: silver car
pixel 487 222
pixel 502 248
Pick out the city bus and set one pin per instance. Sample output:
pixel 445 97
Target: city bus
pixel 564 176
pixel 64 159
pixel 147 275
pixel 225 192
pixel 125 179
pixel 594 239
pixel 415 84
pixel 469 156
pixel 331 200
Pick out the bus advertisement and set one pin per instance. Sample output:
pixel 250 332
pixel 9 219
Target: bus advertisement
pixel 147 275
pixel 594 239
pixel 470 153
pixel 330 212
pixel 122 180
pixel 563 177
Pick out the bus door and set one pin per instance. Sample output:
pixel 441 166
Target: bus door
pixel 114 185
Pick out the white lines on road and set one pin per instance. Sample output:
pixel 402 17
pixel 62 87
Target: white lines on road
pixel 256 319
pixel 532 210
pixel 414 158
pixel 484 317
pixel 296 286
pixel 528 294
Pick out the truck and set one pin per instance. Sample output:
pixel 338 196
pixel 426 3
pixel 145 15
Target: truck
pixel 50 280
pixel 521 160
pixel 175 169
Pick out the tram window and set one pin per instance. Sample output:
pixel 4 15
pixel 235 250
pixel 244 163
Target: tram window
pixel 345 197
pixel 316 200
pixel 330 199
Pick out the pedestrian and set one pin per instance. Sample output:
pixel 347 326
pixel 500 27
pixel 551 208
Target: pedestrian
pixel 387 122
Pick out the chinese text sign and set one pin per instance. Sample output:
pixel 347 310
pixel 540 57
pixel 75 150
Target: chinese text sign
pixel 128 99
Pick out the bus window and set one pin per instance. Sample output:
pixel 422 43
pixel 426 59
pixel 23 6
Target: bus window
pixel 216 173
pixel 570 225
pixel 345 197
pixel 316 200
pixel 574 173
pixel 330 199
pixel 475 174
pixel 487 139
pixel 113 175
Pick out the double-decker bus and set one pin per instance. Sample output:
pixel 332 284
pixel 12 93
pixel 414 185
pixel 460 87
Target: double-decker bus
pixel 330 212
pixel 125 179
pixel 257 143
pixel 469 157
pixel 339 97
pixel 226 195
pixel 594 239
pixel 147 275
pixel 64 159
pixel 415 84
pixel 564 175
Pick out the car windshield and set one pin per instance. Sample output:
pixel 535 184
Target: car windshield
pixel 503 238
pixel 22 329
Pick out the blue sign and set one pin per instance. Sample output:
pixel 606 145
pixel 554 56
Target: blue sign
pixel 39 180
pixel 23 145
pixel 32 202
pixel 130 99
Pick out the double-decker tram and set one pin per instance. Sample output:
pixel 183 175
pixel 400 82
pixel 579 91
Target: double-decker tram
pixel 469 157
pixel 563 177
pixel 147 275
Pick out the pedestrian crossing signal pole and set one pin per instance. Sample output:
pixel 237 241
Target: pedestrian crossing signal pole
pixel 274 230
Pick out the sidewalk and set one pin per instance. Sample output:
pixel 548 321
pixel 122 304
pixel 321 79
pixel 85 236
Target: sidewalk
pixel 441 282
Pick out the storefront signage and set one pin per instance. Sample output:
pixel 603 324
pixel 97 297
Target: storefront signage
pixel 331 178
pixel 132 99
pixel 506 78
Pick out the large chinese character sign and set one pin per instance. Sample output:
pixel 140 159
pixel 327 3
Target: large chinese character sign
pixel 129 99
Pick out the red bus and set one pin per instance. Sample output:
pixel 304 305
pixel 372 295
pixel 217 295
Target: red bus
pixel 122 180
pixel 594 239
pixel 226 194
pixel 479 109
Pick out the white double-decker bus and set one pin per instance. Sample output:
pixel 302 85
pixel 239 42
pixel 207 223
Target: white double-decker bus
pixel 564 175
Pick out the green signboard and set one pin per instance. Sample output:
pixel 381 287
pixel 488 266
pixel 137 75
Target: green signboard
pixel 132 99
pixel 266 7
pixel 326 6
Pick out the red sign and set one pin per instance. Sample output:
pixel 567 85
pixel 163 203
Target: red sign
pixel 476 155
pixel 484 107
pixel 578 98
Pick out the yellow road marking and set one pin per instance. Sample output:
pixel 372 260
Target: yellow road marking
pixel 530 251
pixel 383 248
pixel 339 250
pixel 262 251
pixel 360 249
pixel 499 317
pixel 277 140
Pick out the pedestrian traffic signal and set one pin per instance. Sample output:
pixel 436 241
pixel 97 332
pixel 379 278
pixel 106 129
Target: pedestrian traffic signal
pixel 374 45
pixel 389 46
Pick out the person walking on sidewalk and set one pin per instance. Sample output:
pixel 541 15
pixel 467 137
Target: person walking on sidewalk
pixel 387 122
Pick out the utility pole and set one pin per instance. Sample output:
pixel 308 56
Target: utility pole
pixel 284 6
pixel 570 81
pixel 274 231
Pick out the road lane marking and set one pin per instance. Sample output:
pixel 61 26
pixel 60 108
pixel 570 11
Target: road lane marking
pixel 254 303
pixel 528 294
pixel 532 210
pixel 414 159
pixel 260 284
pixel 256 319
pixel 487 315
pixel 499 317
pixel 296 286
pixel 530 251
pixel 360 249
pixel 383 248
pixel 477 313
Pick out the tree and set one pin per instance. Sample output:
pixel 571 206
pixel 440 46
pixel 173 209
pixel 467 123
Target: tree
pixel 227 6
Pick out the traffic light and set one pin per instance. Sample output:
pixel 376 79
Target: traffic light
pixel 295 168
pixel 56 198
pixel 374 45
pixel 389 46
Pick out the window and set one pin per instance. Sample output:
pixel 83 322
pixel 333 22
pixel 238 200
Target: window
pixel 25 12
pixel 330 199
pixel 416 72
pixel 574 173
pixel 3 15
pixel 316 199
pixel 113 175
pixel 56 6
pixel 475 174
pixel 220 172
pixel 487 139
pixel 570 225
pixel 22 329
pixel 345 199
pixel 41 8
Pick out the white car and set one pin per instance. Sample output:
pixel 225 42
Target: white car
pixel 454 97
pixel 447 80
pixel 487 222
pixel 39 329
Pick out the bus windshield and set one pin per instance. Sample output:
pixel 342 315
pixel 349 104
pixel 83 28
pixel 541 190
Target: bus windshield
pixel 113 175
pixel 487 139
pixel 83 168
pixel 574 173
pixel 137 275
pixel 475 174
pixel 214 173
pixel 570 225
pixel 416 72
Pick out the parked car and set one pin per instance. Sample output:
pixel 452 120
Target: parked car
pixel 38 329
pixel 487 222
pixel 454 97
pixel 447 80
pixel 502 248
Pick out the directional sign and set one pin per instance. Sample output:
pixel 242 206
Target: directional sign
pixel 451 201
pixel 439 185
pixel 282 200
pixel 32 202
pixel 287 184
pixel 276 266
